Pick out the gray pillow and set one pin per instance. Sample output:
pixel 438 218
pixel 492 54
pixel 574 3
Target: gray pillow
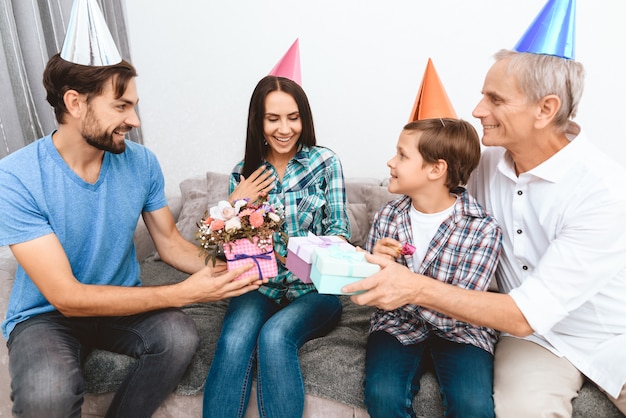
pixel 198 194
pixel 194 197
pixel 217 187
pixel 359 221
pixel 377 197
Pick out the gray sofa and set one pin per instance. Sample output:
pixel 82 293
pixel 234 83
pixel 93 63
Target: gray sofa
pixel 332 365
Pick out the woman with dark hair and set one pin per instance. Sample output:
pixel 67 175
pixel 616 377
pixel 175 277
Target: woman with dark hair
pixel 266 328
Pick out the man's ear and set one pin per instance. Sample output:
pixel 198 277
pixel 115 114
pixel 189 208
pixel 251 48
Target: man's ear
pixel 73 103
pixel 547 108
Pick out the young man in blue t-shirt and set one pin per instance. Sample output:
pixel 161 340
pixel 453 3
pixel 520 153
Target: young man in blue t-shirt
pixel 70 204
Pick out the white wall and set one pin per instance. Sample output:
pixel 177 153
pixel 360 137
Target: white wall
pixel 362 64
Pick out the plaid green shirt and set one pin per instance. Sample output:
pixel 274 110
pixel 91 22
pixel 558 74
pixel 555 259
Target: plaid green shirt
pixel 313 195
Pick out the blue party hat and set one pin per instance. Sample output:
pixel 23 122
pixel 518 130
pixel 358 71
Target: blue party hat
pixel 552 31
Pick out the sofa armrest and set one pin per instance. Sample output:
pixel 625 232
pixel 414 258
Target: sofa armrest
pixel 8 265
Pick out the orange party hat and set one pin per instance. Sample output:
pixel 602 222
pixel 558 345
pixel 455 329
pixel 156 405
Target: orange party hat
pixel 432 100
pixel 289 64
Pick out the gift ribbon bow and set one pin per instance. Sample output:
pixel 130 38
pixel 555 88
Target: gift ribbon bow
pixel 255 258
pixel 313 239
pixel 320 241
pixel 336 252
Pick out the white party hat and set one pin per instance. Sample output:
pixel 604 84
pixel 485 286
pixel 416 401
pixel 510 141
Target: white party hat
pixel 88 40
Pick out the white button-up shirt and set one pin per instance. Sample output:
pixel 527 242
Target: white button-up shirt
pixel 564 252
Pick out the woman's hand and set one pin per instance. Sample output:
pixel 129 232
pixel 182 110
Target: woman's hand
pixel 261 181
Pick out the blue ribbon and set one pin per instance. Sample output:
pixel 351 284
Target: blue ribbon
pixel 335 251
pixel 255 258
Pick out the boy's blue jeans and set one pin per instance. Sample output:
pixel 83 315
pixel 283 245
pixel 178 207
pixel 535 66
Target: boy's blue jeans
pixel 46 351
pixel 393 372
pixel 256 327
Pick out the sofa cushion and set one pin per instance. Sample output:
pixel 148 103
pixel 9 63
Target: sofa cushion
pixel 359 222
pixel 198 194
pixel 194 197
pixel 354 189
pixel 217 187
pixel 376 198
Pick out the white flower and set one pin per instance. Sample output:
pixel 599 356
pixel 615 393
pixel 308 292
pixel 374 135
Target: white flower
pixel 223 211
pixel 233 224
pixel 274 217
pixel 239 204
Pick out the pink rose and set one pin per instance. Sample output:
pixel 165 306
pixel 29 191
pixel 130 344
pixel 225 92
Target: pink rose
pixel 407 249
pixel 256 219
pixel 217 225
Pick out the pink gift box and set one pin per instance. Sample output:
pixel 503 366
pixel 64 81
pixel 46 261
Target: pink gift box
pixel 243 251
pixel 300 252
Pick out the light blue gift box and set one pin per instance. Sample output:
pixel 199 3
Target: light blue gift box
pixel 300 253
pixel 334 267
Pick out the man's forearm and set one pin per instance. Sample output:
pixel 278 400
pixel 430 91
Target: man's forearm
pixel 488 309
pixel 183 256
pixel 95 300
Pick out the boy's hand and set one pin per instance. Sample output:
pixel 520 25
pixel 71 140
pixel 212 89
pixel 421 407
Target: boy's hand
pixel 387 247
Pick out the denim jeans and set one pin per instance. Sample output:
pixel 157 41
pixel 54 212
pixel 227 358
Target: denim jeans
pixel 255 327
pixel 46 351
pixel 393 372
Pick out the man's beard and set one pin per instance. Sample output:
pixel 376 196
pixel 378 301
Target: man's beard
pixel 100 139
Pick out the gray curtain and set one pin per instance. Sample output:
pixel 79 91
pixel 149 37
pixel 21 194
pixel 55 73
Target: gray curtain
pixel 31 31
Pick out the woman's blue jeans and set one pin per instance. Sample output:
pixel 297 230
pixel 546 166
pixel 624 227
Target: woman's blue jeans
pixel 46 351
pixel 393 372
pixel 256 327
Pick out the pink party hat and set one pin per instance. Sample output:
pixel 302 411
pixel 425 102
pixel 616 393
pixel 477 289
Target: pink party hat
pixel 289 64
pixel 88 40
pixel 552 31
pixel 432 100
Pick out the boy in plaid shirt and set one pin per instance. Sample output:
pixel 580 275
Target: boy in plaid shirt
pixel 437 230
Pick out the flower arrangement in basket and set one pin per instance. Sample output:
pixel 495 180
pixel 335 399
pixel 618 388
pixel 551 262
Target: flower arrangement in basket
pixel 244 230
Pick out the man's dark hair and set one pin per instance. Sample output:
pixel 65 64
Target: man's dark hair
pixel 61 76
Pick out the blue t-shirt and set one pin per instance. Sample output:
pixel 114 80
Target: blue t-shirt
pixel 95 223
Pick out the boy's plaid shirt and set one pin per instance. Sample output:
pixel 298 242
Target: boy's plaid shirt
pixel 464 252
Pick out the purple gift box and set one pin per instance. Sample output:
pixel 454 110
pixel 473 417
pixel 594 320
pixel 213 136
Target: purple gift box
pixel 300 253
